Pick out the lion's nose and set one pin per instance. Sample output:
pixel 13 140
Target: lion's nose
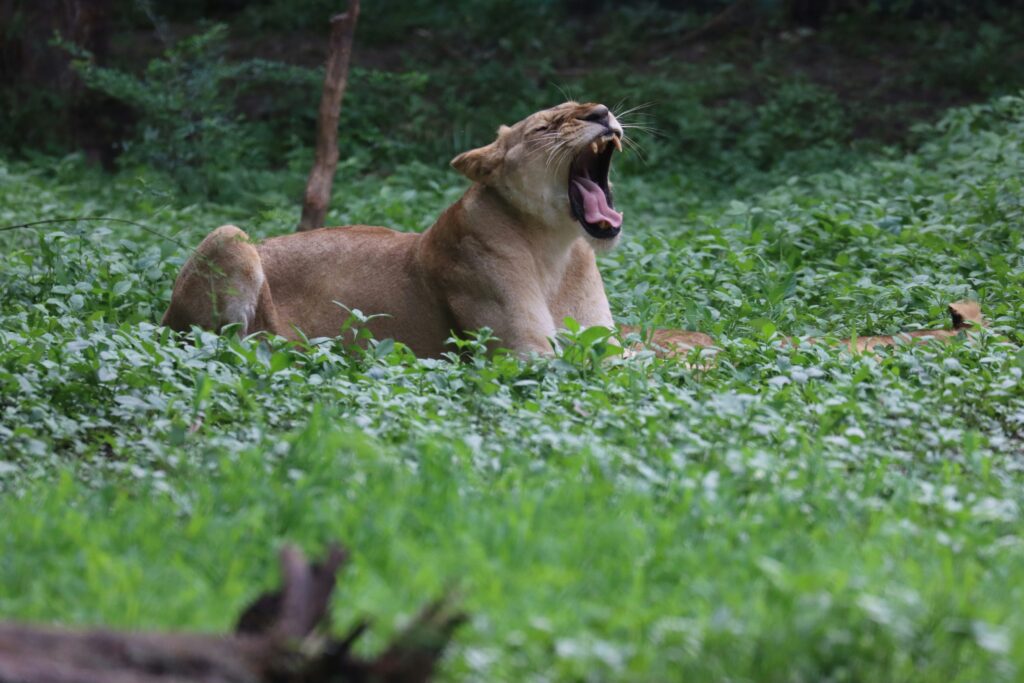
pixel 596 114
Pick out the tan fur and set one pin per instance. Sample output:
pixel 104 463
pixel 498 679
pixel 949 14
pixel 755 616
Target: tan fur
pixel 508 255
pixel 964 316
pixel 669 343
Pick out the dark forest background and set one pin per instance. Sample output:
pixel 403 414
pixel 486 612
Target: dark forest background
pixel 197 87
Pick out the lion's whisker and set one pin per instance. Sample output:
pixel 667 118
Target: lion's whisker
pixel 633 145
pixel 639 107
pixel 558 154
pixel 551 149
pixel 640 126
pixel 566 92
pixel 656 132
pixel 545 142
pixel 546 146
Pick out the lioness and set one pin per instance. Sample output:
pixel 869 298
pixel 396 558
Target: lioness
pixel 515 253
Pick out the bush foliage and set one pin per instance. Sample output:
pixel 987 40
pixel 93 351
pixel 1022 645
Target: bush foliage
pixel 790 512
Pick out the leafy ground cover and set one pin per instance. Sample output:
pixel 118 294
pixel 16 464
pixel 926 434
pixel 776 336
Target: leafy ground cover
pixel 789 513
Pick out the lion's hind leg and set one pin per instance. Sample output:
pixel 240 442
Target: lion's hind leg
pixel 222 283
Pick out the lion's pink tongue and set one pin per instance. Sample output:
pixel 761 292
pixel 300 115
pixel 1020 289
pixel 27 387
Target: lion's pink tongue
pixel 595 206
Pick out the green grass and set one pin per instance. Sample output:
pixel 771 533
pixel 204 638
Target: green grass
pixel 789 514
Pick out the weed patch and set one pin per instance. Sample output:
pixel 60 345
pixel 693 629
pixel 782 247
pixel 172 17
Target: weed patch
pixel 791 512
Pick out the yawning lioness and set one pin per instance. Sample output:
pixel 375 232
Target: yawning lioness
pixel 515 253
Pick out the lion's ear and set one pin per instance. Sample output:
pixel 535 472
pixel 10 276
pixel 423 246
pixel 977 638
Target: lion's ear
pixel 479 164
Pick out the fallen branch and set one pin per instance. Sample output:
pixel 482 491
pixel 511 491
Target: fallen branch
pixel 276 641
pixel 321 176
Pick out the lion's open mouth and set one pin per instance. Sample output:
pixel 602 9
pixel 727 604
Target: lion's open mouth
pixel 589 194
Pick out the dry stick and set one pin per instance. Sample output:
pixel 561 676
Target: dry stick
pixel 276 642
pixel 321 176
pixel 106 219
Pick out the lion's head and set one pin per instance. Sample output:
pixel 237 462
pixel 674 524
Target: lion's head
pixel 553 166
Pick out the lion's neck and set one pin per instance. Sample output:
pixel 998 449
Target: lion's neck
pixel 549 245
pixel 484 214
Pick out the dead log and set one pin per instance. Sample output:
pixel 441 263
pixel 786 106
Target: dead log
pixel 321 176
pixel 277 640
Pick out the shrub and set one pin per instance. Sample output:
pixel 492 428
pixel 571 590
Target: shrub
pixel 189 125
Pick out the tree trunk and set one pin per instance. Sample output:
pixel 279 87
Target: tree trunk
pixel 321 177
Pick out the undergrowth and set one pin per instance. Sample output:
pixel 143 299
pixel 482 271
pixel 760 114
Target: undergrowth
pixel 787 513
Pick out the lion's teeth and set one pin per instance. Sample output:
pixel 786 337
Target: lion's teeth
pixel 593 147
pixel 618 142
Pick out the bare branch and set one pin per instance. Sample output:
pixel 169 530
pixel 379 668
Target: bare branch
pixel 275 642
pixel 321 176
